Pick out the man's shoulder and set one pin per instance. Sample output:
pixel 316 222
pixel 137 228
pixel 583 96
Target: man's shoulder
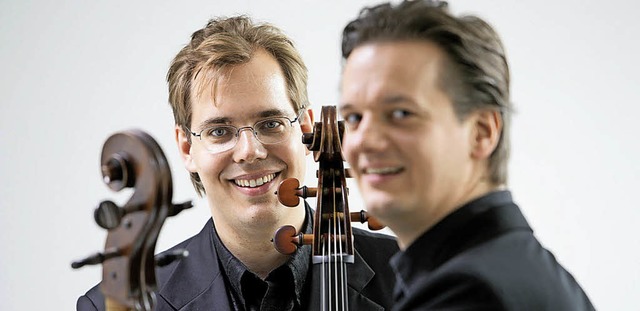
pixel 197 248
pixel 372 235
pixel 519 251
pixel 92 300
pixel 371 244
pixel 520 271
pixel 202 234
pixel 373 252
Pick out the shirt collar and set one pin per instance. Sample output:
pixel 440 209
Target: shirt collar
pixel 298 263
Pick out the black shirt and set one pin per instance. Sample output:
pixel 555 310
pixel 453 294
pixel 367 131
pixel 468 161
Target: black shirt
pixel 283 288
pixel 483 256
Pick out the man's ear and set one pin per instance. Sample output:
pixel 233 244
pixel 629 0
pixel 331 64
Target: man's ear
pixel 486 135
pixel 306 121
pixel 184 146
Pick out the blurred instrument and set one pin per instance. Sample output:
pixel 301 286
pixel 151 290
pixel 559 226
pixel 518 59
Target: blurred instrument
pixel 133 159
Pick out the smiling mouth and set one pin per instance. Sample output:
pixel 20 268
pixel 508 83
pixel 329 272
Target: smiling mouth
pixel 383 170
pixel 253 183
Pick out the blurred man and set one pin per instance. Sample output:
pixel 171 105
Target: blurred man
pixel 239 96
pixel 425 98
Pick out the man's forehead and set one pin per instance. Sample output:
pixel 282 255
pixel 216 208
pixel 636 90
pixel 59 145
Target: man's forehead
pixel 390 67
pixel 257 114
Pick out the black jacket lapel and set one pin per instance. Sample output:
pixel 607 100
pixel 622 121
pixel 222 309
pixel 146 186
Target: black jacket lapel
pixel 195 282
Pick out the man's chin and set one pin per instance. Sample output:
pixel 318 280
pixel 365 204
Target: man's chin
pixel 267 211
pixel 381 205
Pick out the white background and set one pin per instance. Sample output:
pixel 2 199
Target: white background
pixel 74 72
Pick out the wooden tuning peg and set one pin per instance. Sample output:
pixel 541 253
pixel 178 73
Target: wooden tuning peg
pixel 289 192
pixel 287 240
pixel 363 216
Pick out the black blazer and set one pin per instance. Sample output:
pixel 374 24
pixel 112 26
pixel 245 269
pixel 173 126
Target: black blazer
pixel 484 256
pixel 196 282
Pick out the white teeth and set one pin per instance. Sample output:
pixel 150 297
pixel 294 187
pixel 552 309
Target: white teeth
pixel 255 182
pixel 382 170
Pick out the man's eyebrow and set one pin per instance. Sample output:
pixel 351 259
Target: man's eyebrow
pixel 218 120
pixel 344 106
pixel 394 99
pixel 272 113
pixel 386 100
pixel 260 115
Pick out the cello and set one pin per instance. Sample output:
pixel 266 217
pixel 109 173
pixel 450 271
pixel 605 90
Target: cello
pixel 332 238
pixel 133 159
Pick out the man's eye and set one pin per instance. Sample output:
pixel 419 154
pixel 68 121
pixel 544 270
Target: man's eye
pixel 400 114
pixel 271 124
pixel 352 119
pixel 268 126
pixel 218 132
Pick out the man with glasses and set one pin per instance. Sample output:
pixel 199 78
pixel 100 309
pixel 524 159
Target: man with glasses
pixel 425 98
pixel 220 138
pixel 239 97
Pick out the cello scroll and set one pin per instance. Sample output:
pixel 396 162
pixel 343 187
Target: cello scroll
pixel 133 159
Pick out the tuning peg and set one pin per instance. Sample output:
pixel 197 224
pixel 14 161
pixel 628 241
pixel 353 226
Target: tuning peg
pixel 95 259
pixel 363 216
pixel 168 257
pixel 307 138
pixel 286 240
pixel 108 215
pixel 175 209
pixel 289 192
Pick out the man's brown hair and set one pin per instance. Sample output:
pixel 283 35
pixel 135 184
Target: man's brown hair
pixel 220 45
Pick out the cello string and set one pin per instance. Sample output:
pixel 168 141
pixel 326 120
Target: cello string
pixel 323 292
pixel 343 281
pixel 337 247
pixel 339 240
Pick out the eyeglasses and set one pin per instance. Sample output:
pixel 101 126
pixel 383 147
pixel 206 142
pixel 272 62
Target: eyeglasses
pixel 220 138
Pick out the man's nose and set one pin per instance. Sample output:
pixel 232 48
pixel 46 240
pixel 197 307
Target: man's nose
pixel 369 136
pixel 248 148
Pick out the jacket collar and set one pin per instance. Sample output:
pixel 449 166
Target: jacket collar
pixel 197 281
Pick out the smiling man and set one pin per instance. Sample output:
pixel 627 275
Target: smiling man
pixel 425 98
pixel 238 92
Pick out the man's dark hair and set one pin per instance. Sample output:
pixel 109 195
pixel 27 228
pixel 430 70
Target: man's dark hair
pixel 475 72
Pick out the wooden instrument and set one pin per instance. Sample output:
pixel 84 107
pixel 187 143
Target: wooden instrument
pixel 332 239
pixel 133 159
